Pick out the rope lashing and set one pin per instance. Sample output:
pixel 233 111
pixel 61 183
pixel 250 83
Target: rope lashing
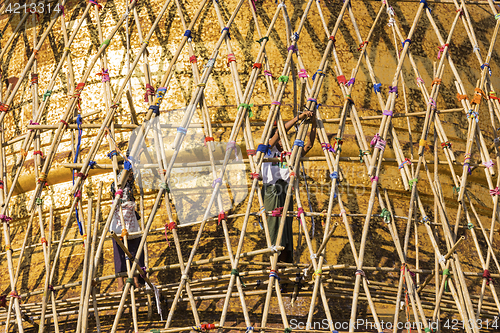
pixel 164 186
pixel 327 146
pixel 111 154
pixel 350 82
pixel 362 273
pixel 446 275
pixel 34 78
pixel 262 39
pixel 487 276
pixel 14 294
pixel 5 218
pixel 412 182
pixel 169 226
pixel 106 42
pixel 374 179
pixel 317 273
pixel 275 103
pixel 251 152
pixel 493 95
pixel 303 73
pixel 187 33
pixel 386 215
pixel 230 58
pixel 375 139
pixel 293 48
pixel 78 194
pixel 406 161
pixel 295 36
pixel 436 81
pixel 467 162
pixel 255 175
pixel 483 66
pixel 216 181
pixel 423 143
pixel 4 107
pixel 265 149
pixel 332 38
pixel 376 87
pixel 1 184
pixel 363 153
pixel 81 175
pixel 181 130
pixel 473 115
pixel 222 216
pixel 118 193
pixel 388 113
pixel 277 212
pixel 92 164
pixel 203 327
pixel 337 145
pixel 227 34
pixel 334 175
pixel 456 189
pixel 38 152
pixel 362 45
pixel 283 78
pixel 470 226
pixel 426 6
pixel 237 274
pixel 406 41
pixel 47 94
pixel 341 79
pixel 394 90
pixel 268 73
pixel 461 97
pixel 210 63
pixel 478 93
pixel 298 143
pixel 193 59
pixel 318 72
pixel 208 139
pixel 150 91
pixel 495 191
pixel 231 146
pixel 426 220
pixel 42 179
pixel 104 75
pixel 248 107
pixel 201 84
pixel 446 144
pixel 95 3
pixel 124 233
pixel 497 16
pixel 489 164
pixel 442 49
pixel 381 144
pixel 283 154
pixel 349 99
pixel 257 65
pixel 288 330
pixel 300 211
pixel 274 274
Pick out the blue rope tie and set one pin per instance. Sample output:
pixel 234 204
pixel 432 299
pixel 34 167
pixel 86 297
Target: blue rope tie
pixel 226 29
pixel 376 87
pixel 80 132
pixel 299 143
pixel 182 130
pixel 426 6
pixel 92 164
pixel 274 275
pixel 187 33
pixel 265 149
pixel 334 175
pixel 155 109
pixel 111 154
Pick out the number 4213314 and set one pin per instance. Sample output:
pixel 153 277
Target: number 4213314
pixel 40 8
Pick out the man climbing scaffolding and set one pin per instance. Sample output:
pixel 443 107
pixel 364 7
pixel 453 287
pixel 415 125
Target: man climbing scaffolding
pixel 276 176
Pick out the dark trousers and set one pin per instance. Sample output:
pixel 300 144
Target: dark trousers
pixel 274 196
pixel 119 255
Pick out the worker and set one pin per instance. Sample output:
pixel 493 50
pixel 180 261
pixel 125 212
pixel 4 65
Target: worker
pixel 276 177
